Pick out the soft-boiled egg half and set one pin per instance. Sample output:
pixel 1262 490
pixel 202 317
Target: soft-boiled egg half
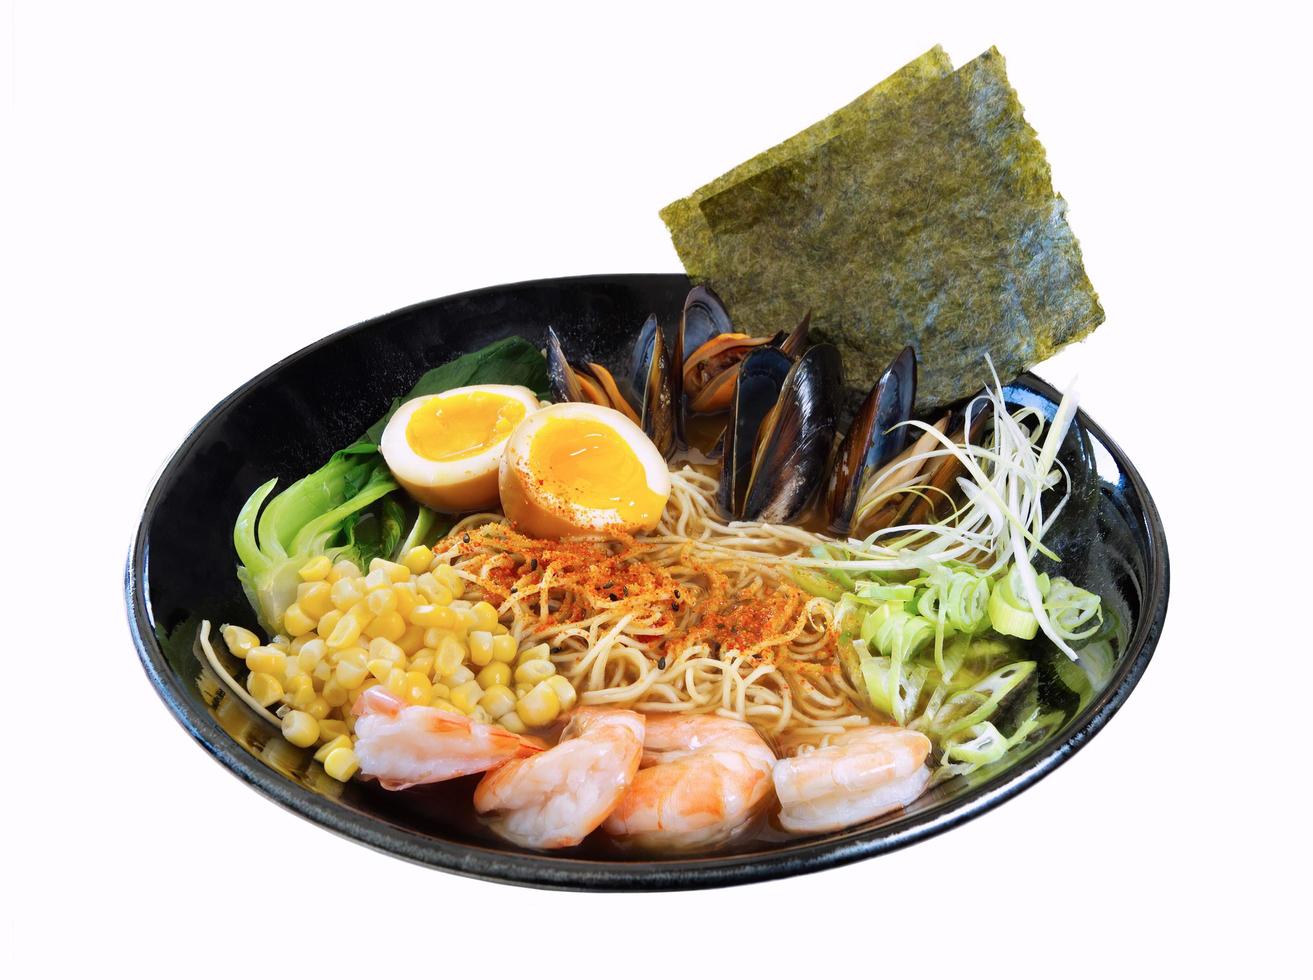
pixel 576 468
pixel 445 449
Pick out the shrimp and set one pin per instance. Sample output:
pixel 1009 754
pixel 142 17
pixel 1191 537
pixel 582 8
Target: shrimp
pixel 704 779
pixel 405 745
pixel 558 797
pixel 859 775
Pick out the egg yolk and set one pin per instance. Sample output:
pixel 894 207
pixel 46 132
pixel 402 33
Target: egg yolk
pixel 446 429
pixel 589 464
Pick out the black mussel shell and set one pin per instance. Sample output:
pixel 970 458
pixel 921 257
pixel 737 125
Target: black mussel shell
pixel 704 317
pixel 761 379
pixel 795 440
pixel 875 437
pixel 565 386
pixel 650 379
pixel 795 342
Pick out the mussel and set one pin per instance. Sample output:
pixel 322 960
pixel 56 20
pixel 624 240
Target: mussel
pixel 710 351
pixel 780 431
pixel 876 436
pixel 645 396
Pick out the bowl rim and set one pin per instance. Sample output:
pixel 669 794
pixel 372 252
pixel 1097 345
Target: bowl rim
pixel 557 872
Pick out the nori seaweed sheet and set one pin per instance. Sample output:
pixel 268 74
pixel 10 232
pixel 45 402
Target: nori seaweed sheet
pixel 933 222
pixel 692 236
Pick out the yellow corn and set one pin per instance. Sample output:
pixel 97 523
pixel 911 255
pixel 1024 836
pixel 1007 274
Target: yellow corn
pixel 380 668
pixel 439 691
pixel 493 674
pixel 485 615
pixel 280 642
pixel 447 577
pixel 412 639
pixel 300 729
pixel 344 569
pixel 422 661
pixel 341 764
pixel 318 708
pixel 382 601
pixel 418 688
pixel 299 690
pixel 427 615
pixel 266 660
pixel 316 598
pixel 322 672
pixel 480 642
pixel 385 649
pixel 328 622
pixel 512 723
pixel 451 654
pixel 434 591
pixel 442 704
pixel 539 652
pixel 239 641
pixel 349 628
pixel 479 714
pixel 522 689
pixel 378 580
pixel 296 621
pixel 461 675
pixel 497 700
pixel 264 688
pixel 503 649
pixel 334 693
pixel 565 692
pixel 418 559
pixel 347 592
pixel 407 598
pixel 539 707
pixel 466 695
pixel 349 674
pixel 340 741
pixel 331 728
pixel 500 629
pixel 311 653
pixel 390 626
pixel 533 671
pixel 316 569
pixel 394 570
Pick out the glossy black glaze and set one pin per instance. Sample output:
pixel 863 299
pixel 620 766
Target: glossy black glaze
pixel 291 417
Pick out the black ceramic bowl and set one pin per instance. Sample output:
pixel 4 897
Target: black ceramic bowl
pixel 291 417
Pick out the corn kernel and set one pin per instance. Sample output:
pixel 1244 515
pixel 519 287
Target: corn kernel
pixel 465 696
pixel 296 621
pixel 349 674
pixel 533 671
pixel 318 708
pixel 418 559
pixel 480 715
pixel 384 649
pixel 501 629
pixel 512 723
pixel 357 655
pixel 316 598
pixel 280 642
pixel 334 693
pixel 480 642
pixel 497 700
pixel 380 668
pixel 341 764
pixel 340 741
pixel 503 649
pixel 377 581
pixel 444 705
pixel 565 691
pixel 316 569
pixel 266 660
pixel 382 601
pixel 394 570
pixel 264 688
pixel 311 653
pixel 239 641
pixel 521 690
pixel 539 652
pixel 395 681
pixel 439 690
pixel 300 729
pixel 322 672
pixel 434 615
pixel 485 615
pixel 331 728
pixel 449 579
pixel 407 597
pixel 390 626
pixel 294 648
pixel 434 591
pixel 347 592
pixel 539 707
pixel 350 627
pixel 412 639
pixel 300 689
pixel 328 622
pixel 344 569
pixel 418 688
pixel 422 661
pixel 451 654
pixel 461 675
pixel 493 674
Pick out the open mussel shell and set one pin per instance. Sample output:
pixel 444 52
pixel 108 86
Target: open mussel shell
pixel 564 382
pixel 650 378
pixel 761 379
pixel 703 318
pixel 940 477
pixel 793 444
pixel 875 437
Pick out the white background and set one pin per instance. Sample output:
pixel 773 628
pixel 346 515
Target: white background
pixel 193 191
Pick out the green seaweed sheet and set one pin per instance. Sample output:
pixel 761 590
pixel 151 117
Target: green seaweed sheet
pixel 929 220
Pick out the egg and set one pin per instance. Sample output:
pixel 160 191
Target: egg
pixel 576 468
pixel 445 449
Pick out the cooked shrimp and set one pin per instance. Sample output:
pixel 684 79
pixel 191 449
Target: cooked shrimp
pixel 404 744
pixel 859 775
pixel 558 797
pixel 703 780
